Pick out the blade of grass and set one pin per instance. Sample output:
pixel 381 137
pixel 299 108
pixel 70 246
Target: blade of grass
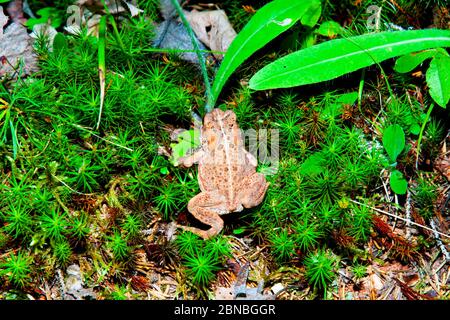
pixel 114 25
pixel 101 65
pixel 15 142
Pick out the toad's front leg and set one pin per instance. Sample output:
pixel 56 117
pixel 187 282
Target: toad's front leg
pixel 206 207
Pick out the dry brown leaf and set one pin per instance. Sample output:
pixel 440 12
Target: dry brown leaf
pixel 17 47
pixel 15 11
pixel 442 164
pixel 212 28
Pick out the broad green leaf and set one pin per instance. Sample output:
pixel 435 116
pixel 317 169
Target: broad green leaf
pixel 438 79
pixel 409 62
pixel 268 23
pixel 394 141
pixel 335 58
pixel 398 182
pixel 330 29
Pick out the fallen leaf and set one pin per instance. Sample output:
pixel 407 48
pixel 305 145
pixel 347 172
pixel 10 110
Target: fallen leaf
pixel 74 289
pixel 15 10
pixel 17 47
pixel 213 29
pixel 167 9
pixel 442 164
pixel 376 282
pixel 171 34
pixel 134 10
pixel 3 21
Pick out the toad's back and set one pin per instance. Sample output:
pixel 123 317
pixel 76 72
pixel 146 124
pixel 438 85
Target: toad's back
pixel 224 164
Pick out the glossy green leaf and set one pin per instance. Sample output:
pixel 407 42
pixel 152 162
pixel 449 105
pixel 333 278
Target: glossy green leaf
pixel 438 79
pixel 409 62
pixel 268 23
pixel 394 141
pixel 398 182
pixel 335 58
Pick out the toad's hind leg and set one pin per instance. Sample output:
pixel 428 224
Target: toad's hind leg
pixel 253 188
pixel 205 207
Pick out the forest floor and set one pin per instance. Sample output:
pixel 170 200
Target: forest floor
pixel 91 201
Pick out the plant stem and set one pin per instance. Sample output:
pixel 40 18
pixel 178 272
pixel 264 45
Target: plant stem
pixel 422 129
pixel 361 88
pixel 114 25
pixel 209 104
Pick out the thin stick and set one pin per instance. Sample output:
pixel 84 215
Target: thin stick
pixel 439 241
pixel 397 217
pixel 408 213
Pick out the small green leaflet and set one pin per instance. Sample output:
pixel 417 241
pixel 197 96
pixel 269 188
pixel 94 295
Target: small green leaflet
pixel 60 43
pixel 334 109
pixel 409 62
pixel 394 141
pixel 313 165
pixel 46 14
pixel 398 182
pixel 329 29
pixel 186 141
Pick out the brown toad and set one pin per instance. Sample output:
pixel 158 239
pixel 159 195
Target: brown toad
pixel 226 173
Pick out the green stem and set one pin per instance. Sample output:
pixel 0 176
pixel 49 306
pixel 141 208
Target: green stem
pixel 422 129
pixel 114 25
pixel 361 88
pixel 209 105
